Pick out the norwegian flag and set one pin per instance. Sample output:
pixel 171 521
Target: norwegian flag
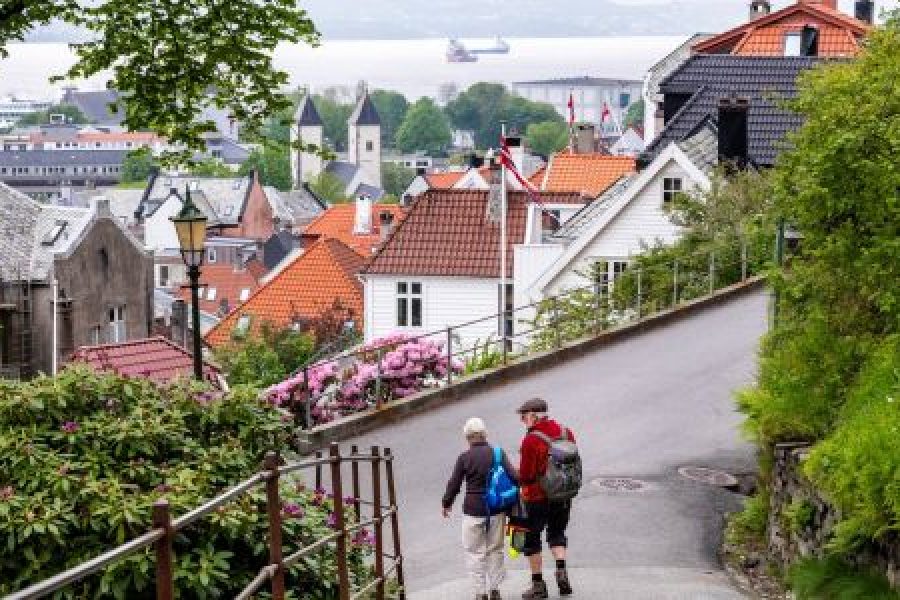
pixel 571 105
pixel 606 113
pixel 507 161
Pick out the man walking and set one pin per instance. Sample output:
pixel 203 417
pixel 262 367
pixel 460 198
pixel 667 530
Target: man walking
pixel 542 513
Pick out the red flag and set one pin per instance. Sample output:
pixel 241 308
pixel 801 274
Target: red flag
pixel 571 105
pixel 507 161
pixel 606 113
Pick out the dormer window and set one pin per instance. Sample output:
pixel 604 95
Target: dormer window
pixel 54 234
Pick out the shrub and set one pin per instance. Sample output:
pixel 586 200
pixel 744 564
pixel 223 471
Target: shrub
pixel 484 356
pixel 798 515
pixel 832 579
pixel 749 525
pixel 83 456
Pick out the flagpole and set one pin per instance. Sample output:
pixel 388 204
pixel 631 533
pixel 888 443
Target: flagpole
pixel 503 243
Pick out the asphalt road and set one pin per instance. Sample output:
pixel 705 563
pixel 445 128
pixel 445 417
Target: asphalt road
pixel 641 408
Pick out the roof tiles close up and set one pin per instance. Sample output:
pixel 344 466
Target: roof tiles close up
pixel 587 174
pixel 337 222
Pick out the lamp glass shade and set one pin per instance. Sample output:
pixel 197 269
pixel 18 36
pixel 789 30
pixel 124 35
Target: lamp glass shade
pixel 190 227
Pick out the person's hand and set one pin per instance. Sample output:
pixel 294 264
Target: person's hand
pixel 446 513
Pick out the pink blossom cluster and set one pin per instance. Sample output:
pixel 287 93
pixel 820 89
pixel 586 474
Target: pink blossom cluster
pixel 69 427
pixel 320 377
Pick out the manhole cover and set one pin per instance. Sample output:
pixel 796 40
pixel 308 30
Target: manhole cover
pixel 708 476
pixel 619 484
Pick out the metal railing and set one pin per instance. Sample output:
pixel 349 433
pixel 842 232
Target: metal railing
pixel 634 294
pixel 165 528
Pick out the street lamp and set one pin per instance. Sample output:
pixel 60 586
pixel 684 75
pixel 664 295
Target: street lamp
pixel 190 226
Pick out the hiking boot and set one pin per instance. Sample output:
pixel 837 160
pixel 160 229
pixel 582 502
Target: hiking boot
pixel 537 591
pixel 495 595
pixel 562 581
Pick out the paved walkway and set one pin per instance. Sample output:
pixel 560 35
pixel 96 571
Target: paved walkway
pixel 641 408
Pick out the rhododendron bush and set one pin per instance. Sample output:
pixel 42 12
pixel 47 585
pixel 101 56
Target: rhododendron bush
pixel 385 369
pixel 83 456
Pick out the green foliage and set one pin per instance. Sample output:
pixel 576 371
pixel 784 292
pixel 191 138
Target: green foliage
pixel 484 356
pixel 424 128
pixel 83 457
pixel 547 137
pixel 210 167
pixel 570 316
pixel 832 579
pixel 798 515
pixel 334 117
pixel 273 164
pixel 171 60
pixel 137 166
pixel 634 116
pixel 748 527
pixel 483 106
pixel 395 178
pixel 72 114
pixel 267 358
pixel 391 107
pixel 329 188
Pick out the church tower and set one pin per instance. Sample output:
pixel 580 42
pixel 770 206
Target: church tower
pixel 364 140
pixel 308 127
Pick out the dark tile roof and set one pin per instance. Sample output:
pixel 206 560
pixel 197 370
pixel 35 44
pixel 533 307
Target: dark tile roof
pixel 583 80
pixel 306 114
pixel 448 233
pixel 155 358
pixel 345 171
pixel 61 158
pixel 764 81
pixel 365 113
pixel 364 189
pixel 95 105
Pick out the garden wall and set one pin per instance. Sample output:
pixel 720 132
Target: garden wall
pixel 801 520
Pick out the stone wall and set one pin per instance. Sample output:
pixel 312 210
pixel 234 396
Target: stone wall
pixel 801 520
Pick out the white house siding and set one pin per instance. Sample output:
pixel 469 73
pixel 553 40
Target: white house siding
pixel 643 220
pixel 447 302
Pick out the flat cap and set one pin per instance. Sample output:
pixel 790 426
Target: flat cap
pixel 536 405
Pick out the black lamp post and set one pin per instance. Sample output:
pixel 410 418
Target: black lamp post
pixel 190 226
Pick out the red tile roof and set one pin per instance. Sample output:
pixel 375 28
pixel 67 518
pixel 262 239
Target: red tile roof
pixel 337 223
pixel 839 33
pixel 447 232
pixel 443 181
pixel 306 288
pixel 587 174
pixel 228 283
pixel 156 358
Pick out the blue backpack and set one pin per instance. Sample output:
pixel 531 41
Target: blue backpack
pixel 500 493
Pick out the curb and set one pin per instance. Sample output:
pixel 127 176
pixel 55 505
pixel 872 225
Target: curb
pixel 353 425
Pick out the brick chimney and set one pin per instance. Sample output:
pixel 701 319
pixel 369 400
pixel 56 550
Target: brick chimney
pixel 385 225
pixel 759 8
pixel 865 11
pixel 584 138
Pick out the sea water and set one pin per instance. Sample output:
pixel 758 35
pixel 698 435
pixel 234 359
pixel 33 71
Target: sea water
pixel 413 67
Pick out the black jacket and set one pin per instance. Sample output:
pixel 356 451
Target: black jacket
pixel 473 466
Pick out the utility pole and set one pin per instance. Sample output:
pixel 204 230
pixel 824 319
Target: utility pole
pixel 503 234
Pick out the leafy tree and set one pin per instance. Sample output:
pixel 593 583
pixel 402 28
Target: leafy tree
pixel 273 164
pixel 170 60
pixel 329 188
pixel 266 357
pixel 334 119
pixel 483 106
pixel 138 165
pixel 210 167
pixel 424 128
pixel 547 137
pixel 72 114
pixel 391 107
pixel 396 178
pixel 634 116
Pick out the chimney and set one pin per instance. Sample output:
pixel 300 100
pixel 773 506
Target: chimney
pixel 517 152
pixel 475 161
pixel 362 222
pixel 759 8
pixel 584 138
pixel 733 137
pixel 494 191
pixel 101 206
pixel 865 11
pixel 832 4
pixel 385 225
pixel 179 333
pixel 809 41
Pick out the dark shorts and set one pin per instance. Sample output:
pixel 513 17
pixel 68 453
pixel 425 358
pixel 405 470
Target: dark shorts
pixel 552 516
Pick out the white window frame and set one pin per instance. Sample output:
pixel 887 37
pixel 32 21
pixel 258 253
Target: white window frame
pixel 118 331
pixel 671 187
pixel 245 294
pixel 793 43
pixel 211 293
pixel 163 281
pixel 211 256
pixel 406 297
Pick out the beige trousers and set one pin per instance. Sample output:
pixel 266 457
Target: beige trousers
pixel 484 552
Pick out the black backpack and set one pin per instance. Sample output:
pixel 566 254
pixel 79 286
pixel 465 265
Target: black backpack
pixel 562 479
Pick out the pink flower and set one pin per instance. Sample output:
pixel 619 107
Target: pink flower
pixel 69 427
pixel 331 521
pixel 6 493
pixel 293 510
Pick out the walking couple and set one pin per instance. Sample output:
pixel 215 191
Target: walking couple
pixel 548 476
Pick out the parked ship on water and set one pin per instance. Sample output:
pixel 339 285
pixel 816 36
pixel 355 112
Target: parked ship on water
pixel 497 46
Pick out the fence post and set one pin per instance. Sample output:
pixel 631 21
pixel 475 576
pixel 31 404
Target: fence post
pixel 318 470
pixel 712 272
pixel 165 580
pixel 378 355
pixel 449 355
pixel 273 506
pixel 395 520
pixel 743 260
pixel 639 293
pixel 675 284
pixel 334 453
pixel 354 481
pixel 376 515
pixel 556 323
pixel 310 403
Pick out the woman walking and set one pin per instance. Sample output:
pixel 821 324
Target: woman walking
pixel 482 533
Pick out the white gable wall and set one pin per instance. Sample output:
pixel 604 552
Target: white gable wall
pixel 447 301
pixel 642 221
pixel 159 232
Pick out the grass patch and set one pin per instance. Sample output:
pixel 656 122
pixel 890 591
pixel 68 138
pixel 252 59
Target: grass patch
pixel 834 579
pixel 749 525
